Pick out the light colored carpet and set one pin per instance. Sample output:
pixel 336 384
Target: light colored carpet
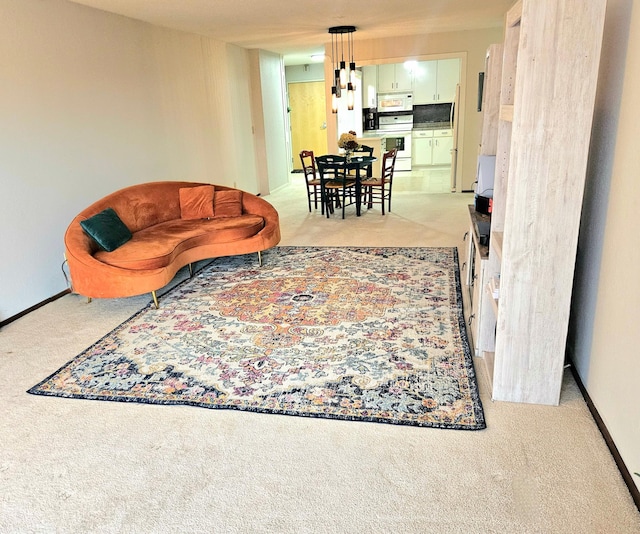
pixel 70 465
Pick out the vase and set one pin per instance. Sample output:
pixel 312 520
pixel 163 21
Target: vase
pixel 348 154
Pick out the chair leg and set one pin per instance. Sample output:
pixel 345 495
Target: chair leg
pixel 309 198
pixel 324 195
pixel 155 299
pixel 334 200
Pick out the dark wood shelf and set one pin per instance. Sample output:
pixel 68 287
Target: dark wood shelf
pixel 476 218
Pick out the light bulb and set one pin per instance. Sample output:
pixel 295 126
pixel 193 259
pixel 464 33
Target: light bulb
pixel 343 75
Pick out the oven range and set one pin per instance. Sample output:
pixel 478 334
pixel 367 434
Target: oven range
pixel 395 129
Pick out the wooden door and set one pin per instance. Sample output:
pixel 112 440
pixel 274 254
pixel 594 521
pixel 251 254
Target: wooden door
pixel 308 119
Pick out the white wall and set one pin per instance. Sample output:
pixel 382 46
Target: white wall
pixel 603 340
pixel 270 100
pixel 313 72
pixel 92 102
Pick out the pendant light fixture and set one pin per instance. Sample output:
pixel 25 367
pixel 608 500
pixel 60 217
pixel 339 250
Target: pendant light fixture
pixel 343 79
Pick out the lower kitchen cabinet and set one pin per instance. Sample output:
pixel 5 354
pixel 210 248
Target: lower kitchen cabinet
pixel 442 147
pixel 432 147
pixel 422 150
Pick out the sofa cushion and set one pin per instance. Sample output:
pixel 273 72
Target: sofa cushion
pixel 155 247
pixel 228 203
pixel 196 202
pixel 106 229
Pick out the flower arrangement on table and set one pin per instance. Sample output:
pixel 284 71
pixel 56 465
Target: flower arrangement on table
pixel 348 143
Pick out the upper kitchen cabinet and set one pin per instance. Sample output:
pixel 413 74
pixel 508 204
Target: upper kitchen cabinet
pixel 394 77
pixel 435 81
pixel 369 86
pixel 425 82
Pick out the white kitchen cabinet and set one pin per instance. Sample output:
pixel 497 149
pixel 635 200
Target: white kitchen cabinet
pixel 442 147
pixel 422 149
pixel 369 86
pixel 425 87
pixel 432 147
pixel 448 78
pixel 435 81
pixel 394 77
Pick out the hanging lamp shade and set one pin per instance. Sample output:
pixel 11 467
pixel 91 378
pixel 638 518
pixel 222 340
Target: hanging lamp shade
pixel 344 78
pixel 350 96
pixel 352 73
pixel 343 75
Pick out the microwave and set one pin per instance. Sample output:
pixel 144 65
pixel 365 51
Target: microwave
pixel 395 102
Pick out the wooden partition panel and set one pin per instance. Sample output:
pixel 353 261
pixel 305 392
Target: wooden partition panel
pixel 550 67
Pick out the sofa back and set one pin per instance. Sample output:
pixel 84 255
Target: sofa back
pixel 143 205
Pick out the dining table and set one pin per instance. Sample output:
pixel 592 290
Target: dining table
pixel 357 163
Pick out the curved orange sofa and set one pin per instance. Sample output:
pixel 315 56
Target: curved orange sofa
pixel 162 242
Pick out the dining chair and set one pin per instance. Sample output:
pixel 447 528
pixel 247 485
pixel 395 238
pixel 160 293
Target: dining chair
pixel 364 150
pixel 311 177
pixel 376 190
pixel 336 186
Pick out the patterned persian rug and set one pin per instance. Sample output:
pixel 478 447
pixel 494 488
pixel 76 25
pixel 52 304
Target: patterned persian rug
pixel 362 334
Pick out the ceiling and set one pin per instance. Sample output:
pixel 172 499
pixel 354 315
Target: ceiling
pixel 297 29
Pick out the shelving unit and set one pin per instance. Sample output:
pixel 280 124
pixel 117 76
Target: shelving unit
pixel 491 100
pixel 546 99
pixel 506 113
pixel 482 323
pixel 493 300
pixel 496 243
pixel 482 331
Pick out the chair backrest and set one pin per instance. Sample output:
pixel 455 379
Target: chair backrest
pixel 332 167
pixel 308 165
pixel 388 164
pixel 364 150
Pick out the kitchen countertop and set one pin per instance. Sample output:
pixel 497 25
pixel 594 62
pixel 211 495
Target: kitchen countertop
pixel 385 133
pixel 370 134
pixel 432 126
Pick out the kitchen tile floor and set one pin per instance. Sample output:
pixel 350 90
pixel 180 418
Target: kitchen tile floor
pixel 424 179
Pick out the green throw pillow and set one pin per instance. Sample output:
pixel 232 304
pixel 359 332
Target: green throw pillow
pixel 106 229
